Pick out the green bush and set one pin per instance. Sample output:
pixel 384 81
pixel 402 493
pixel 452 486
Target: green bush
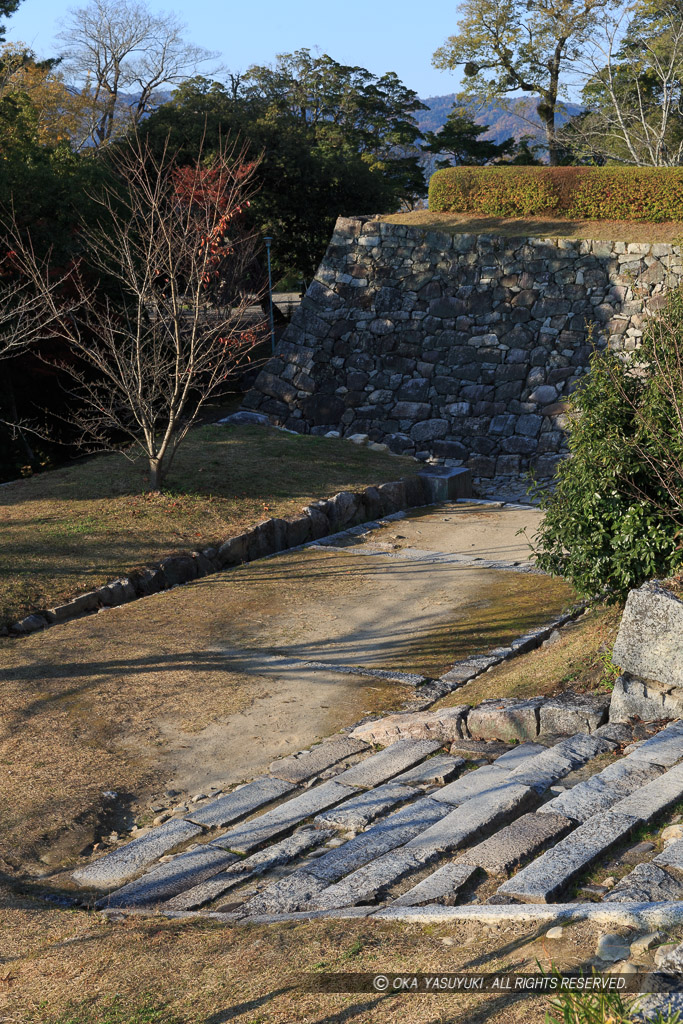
pixel 601 193
pixel 614 514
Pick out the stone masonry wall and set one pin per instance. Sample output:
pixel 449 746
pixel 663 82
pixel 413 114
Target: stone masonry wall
pixel 457 349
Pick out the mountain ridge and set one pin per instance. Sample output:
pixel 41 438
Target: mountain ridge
pixel 515 118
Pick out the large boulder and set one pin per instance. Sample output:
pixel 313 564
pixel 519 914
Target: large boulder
pixel 650 640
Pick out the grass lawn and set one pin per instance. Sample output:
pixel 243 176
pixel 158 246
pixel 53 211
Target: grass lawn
pixel 542 227
pixel 75 528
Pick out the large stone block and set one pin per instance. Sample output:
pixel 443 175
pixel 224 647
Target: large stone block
pixel 507 719
pixel 647 700
pixel 445 726
pixel 650 639
pixel 569 713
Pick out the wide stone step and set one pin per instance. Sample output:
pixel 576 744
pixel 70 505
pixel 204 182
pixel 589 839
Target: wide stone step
pixel 654 797
pixel 442 886
pixel 366 883
pixel 435 771
pixel 171 877
pixel 359 811
pixel 647 883
pixel 555 762
pixel 285 895
pixel 518 842
pixel 545 878
pixel 472 784
pixel 603 791
pixel 240 803
pixel 474 817
pixel 128 861
pixel 665 747
pixel 671 858
pixel 395 830
pixel 387 763
pixel 257 864
pixel 303 766
pixel 245 838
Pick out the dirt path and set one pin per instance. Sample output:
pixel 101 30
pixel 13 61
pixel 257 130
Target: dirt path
pixel 196 686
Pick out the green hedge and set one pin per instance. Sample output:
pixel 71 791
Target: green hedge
pixel 598 193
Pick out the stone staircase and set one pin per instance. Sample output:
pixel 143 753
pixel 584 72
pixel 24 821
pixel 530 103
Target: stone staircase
pixel 346 830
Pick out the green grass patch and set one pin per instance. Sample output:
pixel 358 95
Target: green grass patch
pixel 75 528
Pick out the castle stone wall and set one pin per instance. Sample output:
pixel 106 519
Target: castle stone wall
pixel 459 349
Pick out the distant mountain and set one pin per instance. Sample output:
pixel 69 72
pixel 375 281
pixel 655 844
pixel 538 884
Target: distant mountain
pixel 517 120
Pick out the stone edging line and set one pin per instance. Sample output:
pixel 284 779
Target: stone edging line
pixel 650 916
pixel 269 537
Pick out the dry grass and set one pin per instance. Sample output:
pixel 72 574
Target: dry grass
pixel 70 966
pixel 76 528
pixel 542 227
pixel 574 661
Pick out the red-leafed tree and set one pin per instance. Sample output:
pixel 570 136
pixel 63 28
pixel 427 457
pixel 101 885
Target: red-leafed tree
pixel 157 319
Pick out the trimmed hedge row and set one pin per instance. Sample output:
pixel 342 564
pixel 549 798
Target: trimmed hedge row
pixel 596 193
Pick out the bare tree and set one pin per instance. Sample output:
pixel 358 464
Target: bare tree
pixel 633 74
pixel 157 322
pixel 120 54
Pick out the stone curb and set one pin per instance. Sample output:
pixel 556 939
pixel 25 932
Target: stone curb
pixel 649 916
pixel 269 537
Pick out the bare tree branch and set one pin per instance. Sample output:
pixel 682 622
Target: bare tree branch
pixel 165 323
pixel 120 55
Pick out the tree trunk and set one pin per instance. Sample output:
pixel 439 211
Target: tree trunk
pixel 546 111
pixel 155 474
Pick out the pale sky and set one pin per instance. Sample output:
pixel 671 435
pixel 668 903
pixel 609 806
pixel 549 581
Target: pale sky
pixel 380 35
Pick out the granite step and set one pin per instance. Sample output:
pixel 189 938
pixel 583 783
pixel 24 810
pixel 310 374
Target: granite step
pixel 240 803
pixel 435 770
pixel 301 767
pixel 387 763
pixel 245 838
pixel 473 818
pixel 355 814
pixel 557 761
pixel 368 882
pixel 518 842
pixel 443 886
pixel 647 883
pixel 168 879
pixel 671 858
pixel 286 850
pixel 664 748
pixel 393 831
pixel 130 860
pixel 547 876
pixel 654 797
pixel 477 783
pixel 285 895
pixel 602 791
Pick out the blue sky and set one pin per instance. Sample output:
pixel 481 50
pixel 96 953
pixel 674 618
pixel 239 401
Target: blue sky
pixel 380 35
